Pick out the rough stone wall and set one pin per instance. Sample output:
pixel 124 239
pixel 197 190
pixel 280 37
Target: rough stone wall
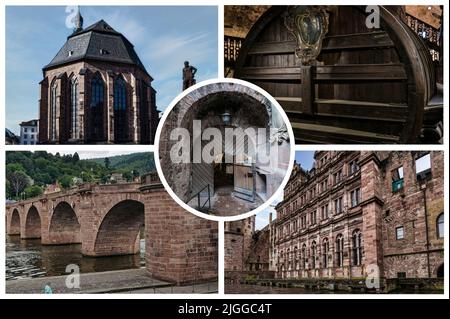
pixel 258 258
pixel 406 208
pixel 424 14
pixel 238 243
pixel 182 248
pixel 238 20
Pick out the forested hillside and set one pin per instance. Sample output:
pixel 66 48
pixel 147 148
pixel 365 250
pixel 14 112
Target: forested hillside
pixel 28 173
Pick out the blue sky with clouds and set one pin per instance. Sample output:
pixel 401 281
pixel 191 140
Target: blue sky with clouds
pixel 163 37
pixel 306 159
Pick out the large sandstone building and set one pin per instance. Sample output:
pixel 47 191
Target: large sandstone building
pixel 96 90
pixel 358 211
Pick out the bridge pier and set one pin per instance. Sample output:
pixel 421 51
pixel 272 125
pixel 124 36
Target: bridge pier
pixel 109 220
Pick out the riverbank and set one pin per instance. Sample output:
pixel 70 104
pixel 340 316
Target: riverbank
pixel 119 281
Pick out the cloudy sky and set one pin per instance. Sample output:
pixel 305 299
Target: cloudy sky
pixel 163 37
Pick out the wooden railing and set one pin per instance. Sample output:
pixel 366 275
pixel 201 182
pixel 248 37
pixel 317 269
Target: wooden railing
pixel 202 206
pixel 430 34
pixel 231 46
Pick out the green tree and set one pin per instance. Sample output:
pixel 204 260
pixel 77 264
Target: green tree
pixel 66 181
pixel 15 167
pixel 33 191
pixel 107 162
pixel 18 180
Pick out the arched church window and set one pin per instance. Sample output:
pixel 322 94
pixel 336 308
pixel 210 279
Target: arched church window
pixel 120 110
pixel 53 109
pixel 74 107
pixel 96 115
pixel 97 89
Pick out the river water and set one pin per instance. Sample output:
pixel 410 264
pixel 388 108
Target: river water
pixel 257 289
pixel 27 258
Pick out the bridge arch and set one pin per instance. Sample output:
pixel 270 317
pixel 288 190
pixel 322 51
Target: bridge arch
pixel 64 226
pixel 32 224
pixel 14 223
pixel 119 230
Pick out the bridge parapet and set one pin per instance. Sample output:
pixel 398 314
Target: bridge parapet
pixel 150 180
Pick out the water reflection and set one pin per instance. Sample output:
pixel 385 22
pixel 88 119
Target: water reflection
pixel 27 258
pixel 256 289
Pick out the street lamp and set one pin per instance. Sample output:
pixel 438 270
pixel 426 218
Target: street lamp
pixel 226 118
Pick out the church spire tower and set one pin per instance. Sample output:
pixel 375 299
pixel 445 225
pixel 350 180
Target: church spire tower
pixel 78 21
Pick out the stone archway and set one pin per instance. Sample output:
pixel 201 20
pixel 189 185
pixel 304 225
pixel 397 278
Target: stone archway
pixel 14 224
pixel 32 224
pixel 64 225
pixel 119 230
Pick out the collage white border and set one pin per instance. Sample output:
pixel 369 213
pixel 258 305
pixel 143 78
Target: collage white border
pixel 140 148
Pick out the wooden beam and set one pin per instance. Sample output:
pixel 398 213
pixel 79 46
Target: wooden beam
pixel 358 72
pixel 370 40
pixel 343 72
pixel 348 109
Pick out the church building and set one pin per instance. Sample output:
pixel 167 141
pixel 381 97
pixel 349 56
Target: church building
pixel 96 90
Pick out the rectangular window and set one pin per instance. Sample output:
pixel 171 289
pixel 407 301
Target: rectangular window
pixel 423 167
pixel 397 179
pixel 338 205
pixel 313 218
pixel 399 233
pixel 325 212
pixel 25 129
pixel 353 167
pixel 337 177
pixel 355 196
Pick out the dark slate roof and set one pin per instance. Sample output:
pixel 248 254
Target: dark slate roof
pixel 97 42
pixel 29 123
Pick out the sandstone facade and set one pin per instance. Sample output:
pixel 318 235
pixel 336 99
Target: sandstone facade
pixel 376 217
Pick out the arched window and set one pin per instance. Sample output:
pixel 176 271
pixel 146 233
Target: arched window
pixel 325 250
pixel 120 110
pixel 53 110
pixel 74 107
pixel 96 108
pixel 440 226
pixel 339 250
pixel 304 256
pixel 295 258
pixel 313 254
pixel 357 247
pixel 97 88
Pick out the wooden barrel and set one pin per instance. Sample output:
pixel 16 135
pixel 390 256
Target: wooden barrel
pixel 367 85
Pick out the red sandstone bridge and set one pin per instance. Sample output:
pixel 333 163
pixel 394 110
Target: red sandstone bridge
pixel 107 219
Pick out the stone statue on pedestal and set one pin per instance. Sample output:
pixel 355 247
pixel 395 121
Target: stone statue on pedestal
pixel 189 72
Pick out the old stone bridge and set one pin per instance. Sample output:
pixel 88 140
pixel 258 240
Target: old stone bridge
pixel 107 220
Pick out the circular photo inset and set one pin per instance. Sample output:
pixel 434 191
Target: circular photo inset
pixel 224 149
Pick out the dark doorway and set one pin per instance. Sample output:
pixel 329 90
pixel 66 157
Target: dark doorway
pixel 223 174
